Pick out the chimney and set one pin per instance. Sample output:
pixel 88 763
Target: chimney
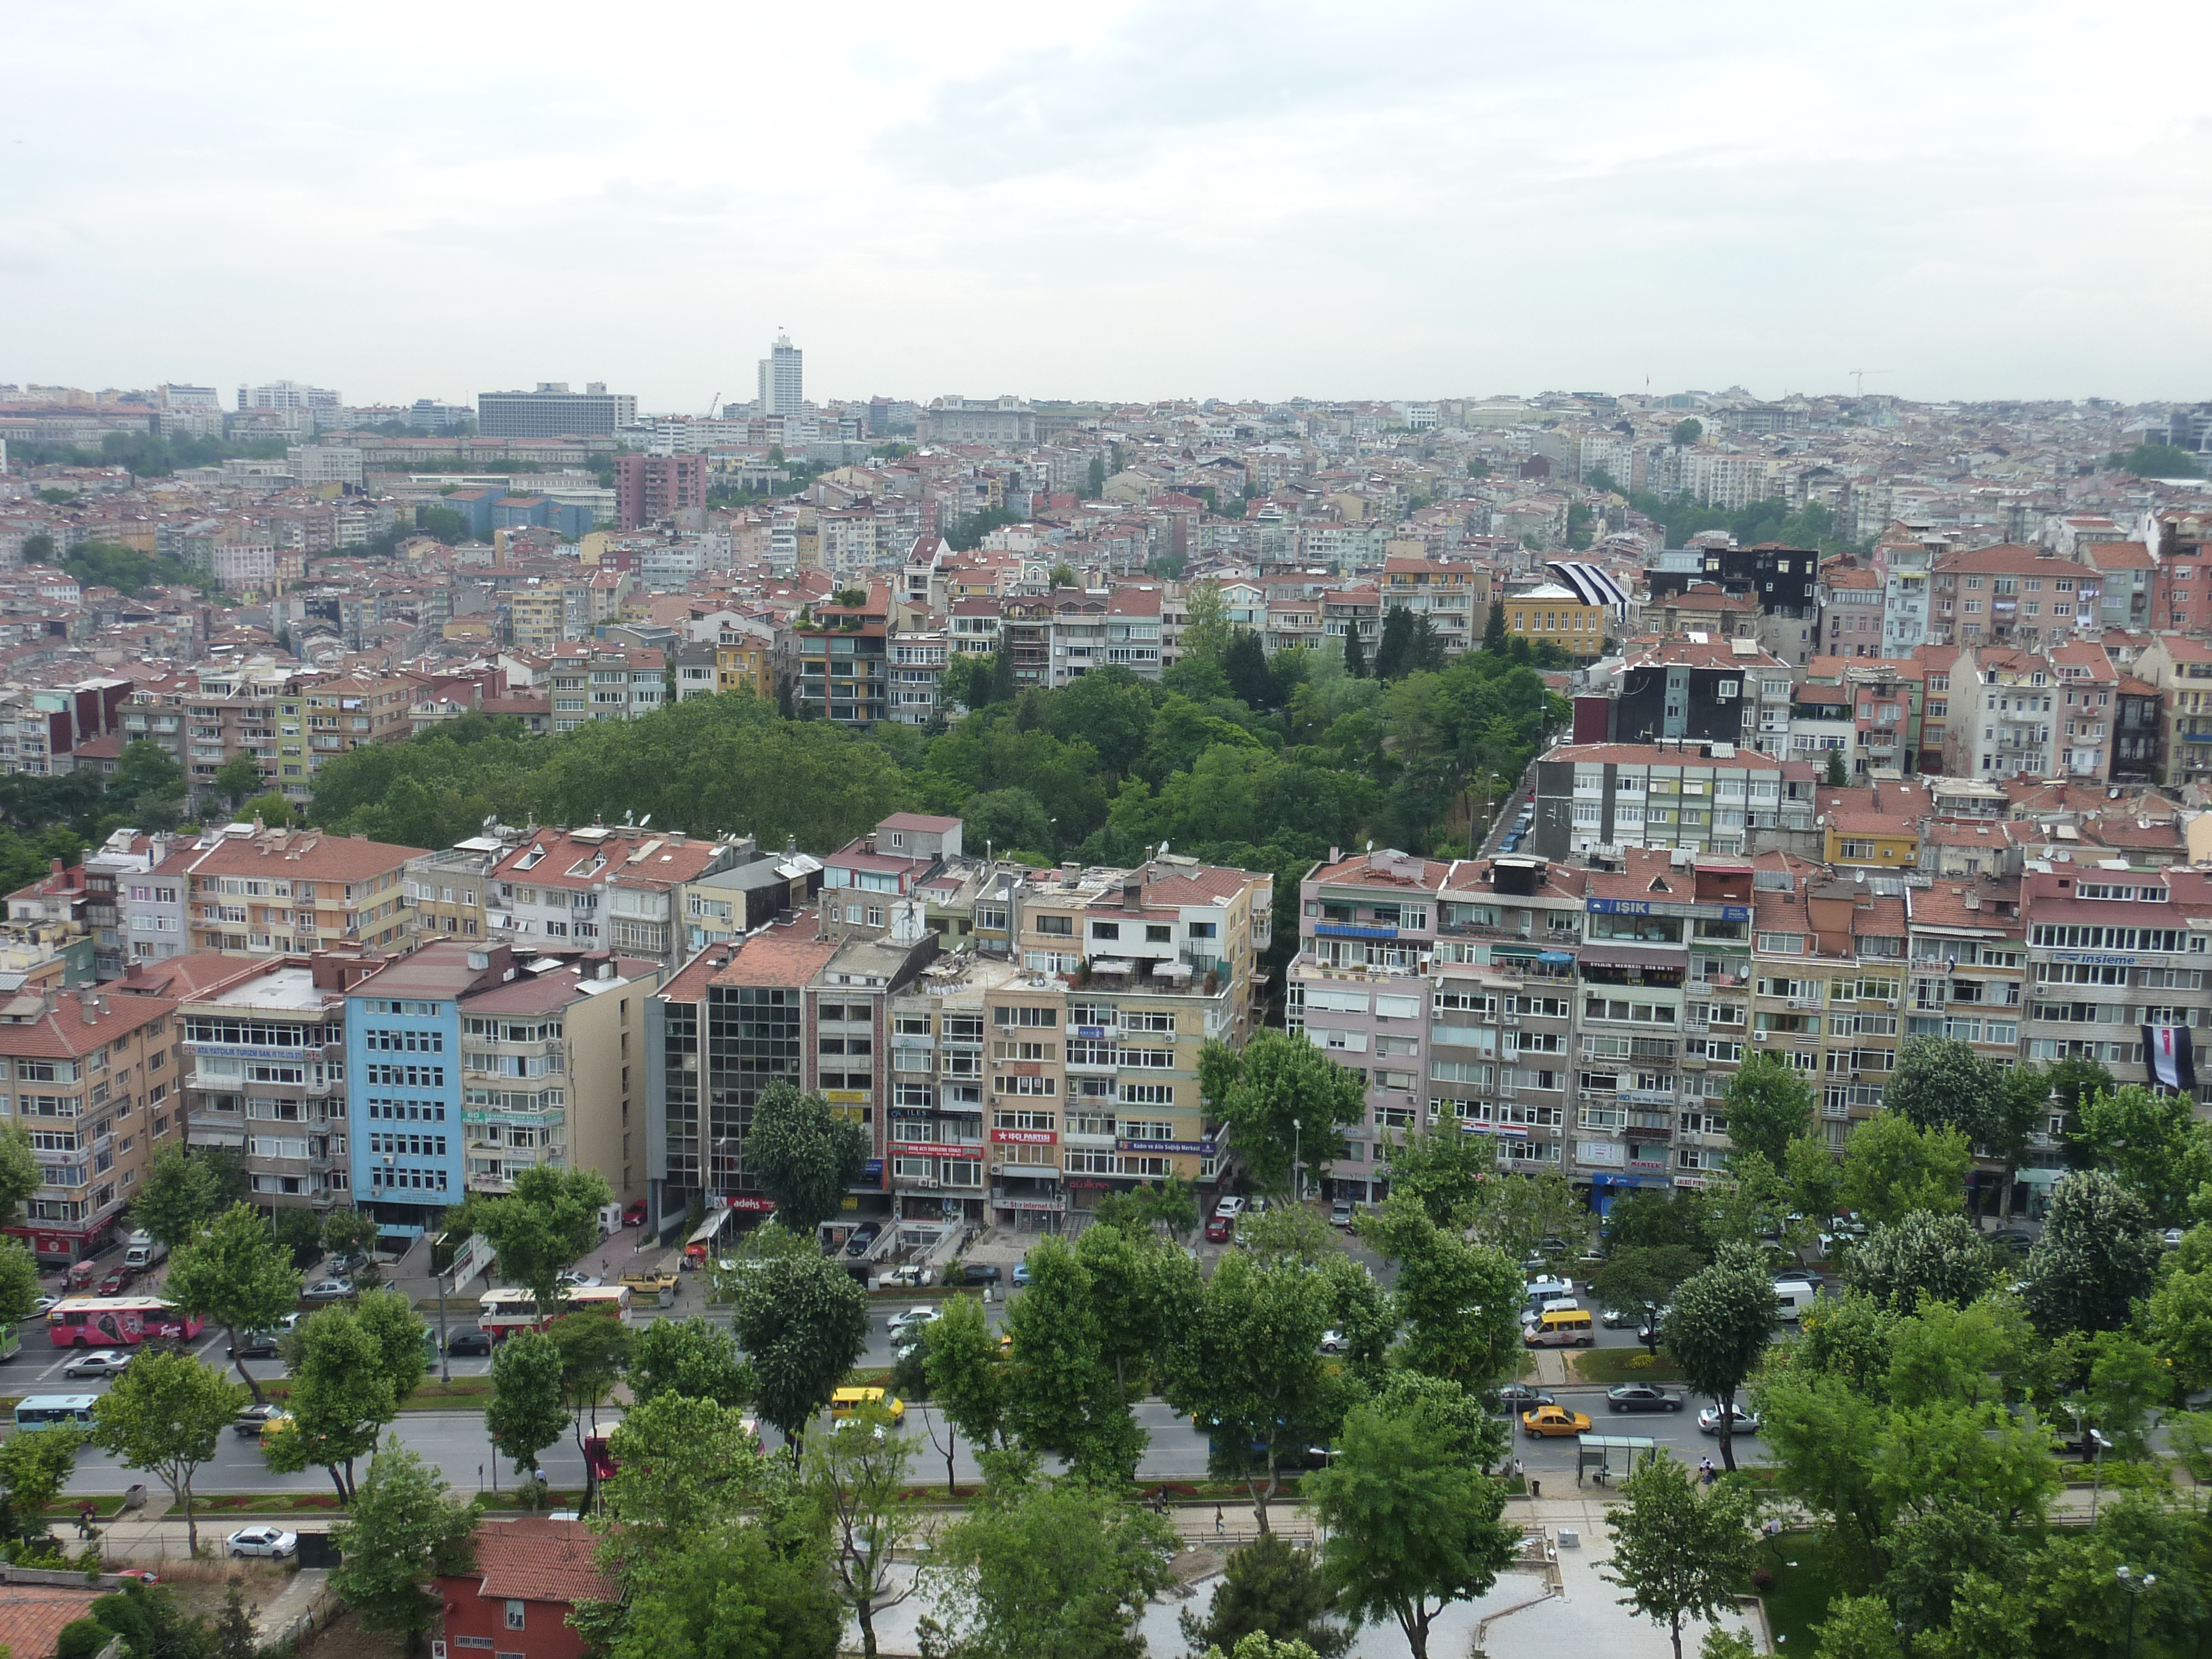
pixel 1133 893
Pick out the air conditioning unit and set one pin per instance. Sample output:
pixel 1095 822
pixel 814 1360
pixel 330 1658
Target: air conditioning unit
pixel 1892 1003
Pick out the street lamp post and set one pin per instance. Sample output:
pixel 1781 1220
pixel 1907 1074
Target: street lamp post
pixel 1297 1158
pixel 2135 1587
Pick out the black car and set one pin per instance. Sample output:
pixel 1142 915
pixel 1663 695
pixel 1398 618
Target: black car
pixel 468 1342
pixel 254 1345
pixel 1517 1397
pixel 863 1236
pixel 1641 1397
pixel 981 1272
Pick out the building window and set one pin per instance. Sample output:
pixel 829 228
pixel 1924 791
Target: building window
pixel 514 1615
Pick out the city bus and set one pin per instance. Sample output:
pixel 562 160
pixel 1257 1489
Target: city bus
pixel 36 1410
pixel 119 1321
pixel 500 1313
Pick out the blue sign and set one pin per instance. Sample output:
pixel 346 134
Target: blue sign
pixel 1606 906
pixel 1162 1146
pixel 1346 930
pixel 1554 956
pixel 875 1169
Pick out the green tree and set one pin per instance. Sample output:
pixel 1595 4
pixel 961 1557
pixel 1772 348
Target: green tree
pixel 1892 1167
pixel 694 1358
pixel 592 1350
pixel 236 1275
pixel 2178 1322
pixel 1769 1102
pixel 1143 1291
pixel 1942 1257
pixel 406 1532
pixel 2098 1253
pixel 19 1175
pixel 1277 1591
pixel 1207 630
pixel 19 1284
pixel 805 1156
pixel 2152 1142
pixel 1249 1364
pixel 679 1464
pixel 1835 776
pixel 165 1415
pixel 550 1219
pixel 1055 1567
pixel 1718 1329
pixel 145 773
pixel 298 1236
pixel 350 1232
pixel 857 1477
pixel 1461 1302
pixel 1643 1277
pixel 1493 629
pixel 1679 1552
pixel 525 1414
pixel 341 1396
pixel 731 1588
pixel 2148 460
pixel 1942 1083
pixel 1283 1099
pixel 177 1198
pixel 1688 431
pixel 803 1321
pixel 1443 1170
pixel 1062 1396
pixel 1250 680
pixel 1410 1529
pixel 235 1634
pixel 237 778
pixel 1355 652
pixel 34 1465
pixel 966 1371
pixel 1005 821
pixel 1516 1212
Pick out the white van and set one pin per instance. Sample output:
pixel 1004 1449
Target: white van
pixel 1793 1297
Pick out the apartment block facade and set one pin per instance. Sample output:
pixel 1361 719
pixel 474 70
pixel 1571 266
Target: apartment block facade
pixel 264 891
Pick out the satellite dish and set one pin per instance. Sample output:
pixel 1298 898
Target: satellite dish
pixel 646 819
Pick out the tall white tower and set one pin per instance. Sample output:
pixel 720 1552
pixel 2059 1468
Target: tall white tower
pixel 781 388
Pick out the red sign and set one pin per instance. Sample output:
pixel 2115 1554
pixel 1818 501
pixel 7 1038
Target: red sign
pixel 934 1148
pixel 753 1206
pixel 1026 1137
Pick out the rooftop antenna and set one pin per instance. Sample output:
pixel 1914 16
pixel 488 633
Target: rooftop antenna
pixel 1860 374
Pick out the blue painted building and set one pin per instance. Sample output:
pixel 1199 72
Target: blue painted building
pixel 403 1067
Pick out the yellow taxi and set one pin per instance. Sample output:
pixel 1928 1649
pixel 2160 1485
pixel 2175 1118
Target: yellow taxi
pixel 845 1402
pixel 1546 1422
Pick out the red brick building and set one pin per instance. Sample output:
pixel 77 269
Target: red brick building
pixel 529 1576
pixel 651 488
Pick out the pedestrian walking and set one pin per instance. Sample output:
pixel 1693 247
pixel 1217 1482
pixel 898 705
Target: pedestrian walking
pixel 1220 1524
pixel 1705 1470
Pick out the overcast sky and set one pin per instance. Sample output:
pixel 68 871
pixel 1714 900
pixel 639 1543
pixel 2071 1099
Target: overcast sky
pixel 1114 200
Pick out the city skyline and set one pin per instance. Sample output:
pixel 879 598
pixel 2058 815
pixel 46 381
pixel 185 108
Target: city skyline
pixel 1422 203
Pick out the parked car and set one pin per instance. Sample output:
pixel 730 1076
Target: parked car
pixel 914 1318
pixel 979 1272
pixel 45 1305
pixel 250 1422
pixel 329 1289
pixel 1709 1421
pixel 2170 1238
pixel 635 1216
pixel 463 1343
pixel 1516 1397
pixel 117 1282
pixel 1619 1319
pixel 1552 1422
pixel 254 1345
pixel 1641 1397
pixel 101 1362
pixel 1334 1342
pixel 1339 1213
pixel 1021 1271
pixel 863 1236
pixel 270 1542
pixel 1232 1206
pixel 569 1278
pixel 1218 1229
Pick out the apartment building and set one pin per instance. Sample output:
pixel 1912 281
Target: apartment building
pixel 1705 797
pixel 2002 720
pixel 272 891
pixel 553 411
pixel 2111 950
pixel 2180 668
pixel 745 657
pixel 266 1074
pixel 1551 615
pixel 1829 965
pixel 594 681
pixel 1969 979
pixel 291 723
pixel 649 488
pixel 605 886
pixel 1121 628
pixel 916 668
pixel 972 1036
pixel 844 661
pixel 92 1079
pixel 1455 597
pixel 2011 596
pixel 1703 691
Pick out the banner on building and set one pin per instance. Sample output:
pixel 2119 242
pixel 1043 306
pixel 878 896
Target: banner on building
pixel 2166 1052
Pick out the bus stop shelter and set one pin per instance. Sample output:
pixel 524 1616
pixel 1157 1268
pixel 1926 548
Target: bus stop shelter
pixel 1606 1457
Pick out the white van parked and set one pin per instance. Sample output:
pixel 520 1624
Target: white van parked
pixel 1793 1297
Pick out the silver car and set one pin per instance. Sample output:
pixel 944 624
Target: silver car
pixel 270 1542
pixel 101 1362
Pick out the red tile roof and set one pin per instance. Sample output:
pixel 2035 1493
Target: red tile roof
pixel 33 1616
pixel 541 1560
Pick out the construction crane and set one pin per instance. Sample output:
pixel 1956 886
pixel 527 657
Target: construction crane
pixel 714 403
pixel 1860 374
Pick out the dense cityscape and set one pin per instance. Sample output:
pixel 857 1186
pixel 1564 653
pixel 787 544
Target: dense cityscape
pixel 584 942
